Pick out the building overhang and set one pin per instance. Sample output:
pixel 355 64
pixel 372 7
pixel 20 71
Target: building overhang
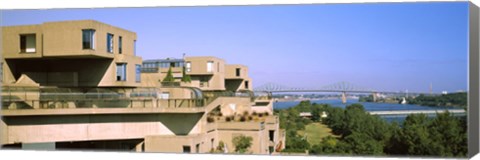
pixel 66 56
pixel 93 111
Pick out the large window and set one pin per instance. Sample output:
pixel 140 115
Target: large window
pixel 186 149
pixel 271 134
pixel 237 72
pixel 135 47
pixel 120 44
pixel 188 66
pixel 88 39
pixel 109 43
pixel 138 70
pixel 121 71
pixel 28 43
pixel 210 66
pixel 197 148
pixel 1 71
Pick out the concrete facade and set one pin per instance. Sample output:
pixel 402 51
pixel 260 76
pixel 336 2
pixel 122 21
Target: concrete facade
pixel 58 59
pixel 236 78
pixel 62 90
pixel 208 72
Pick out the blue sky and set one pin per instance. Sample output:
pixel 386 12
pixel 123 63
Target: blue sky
pixel 385 46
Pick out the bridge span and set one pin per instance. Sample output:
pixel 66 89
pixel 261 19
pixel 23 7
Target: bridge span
pixel 340 87
pixel 407 112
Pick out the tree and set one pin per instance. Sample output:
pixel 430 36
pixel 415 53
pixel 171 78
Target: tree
pixel 360 143
pixel 447 131
pixel 329 145
pixel 169 77
pixel 295 143
pixel 242 143
pixel 185 76
pixel 415 135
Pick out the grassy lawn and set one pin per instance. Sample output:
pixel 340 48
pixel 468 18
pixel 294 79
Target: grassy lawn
pixel 315 132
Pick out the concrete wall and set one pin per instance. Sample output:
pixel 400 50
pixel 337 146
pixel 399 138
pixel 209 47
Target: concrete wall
pixel 215 79
pixel 259 145
pixel 235 105
pixel 174 144
pixel 238 84
pixel 64 40
pixel 231 69
pixel 33 129
pixel 11 41
pixel 3 132
pixel 178 93
pixel 151 79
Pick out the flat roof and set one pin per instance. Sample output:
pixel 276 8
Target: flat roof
pixel 163 60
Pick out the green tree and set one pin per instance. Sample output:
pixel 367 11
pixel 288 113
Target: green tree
pixel 415 135
pixel 447 131
pixel 329 145
pixel 242 143
pixel 185 76
pixel 296 143
pixel 361 143
pixel 169 77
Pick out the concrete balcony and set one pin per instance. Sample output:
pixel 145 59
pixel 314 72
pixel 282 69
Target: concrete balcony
pixel 236 72
pixel 271 120
pixel 174 70
pixel 254 126
pixel 104 106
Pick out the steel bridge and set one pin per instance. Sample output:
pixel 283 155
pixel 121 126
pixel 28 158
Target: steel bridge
pixel 339 87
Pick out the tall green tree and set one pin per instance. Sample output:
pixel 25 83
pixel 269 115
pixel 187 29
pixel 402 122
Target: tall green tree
pixel 185 76
pixel 242 143
pixel 447 131
pixel 415 135
pixel 362 144
pixel 169 77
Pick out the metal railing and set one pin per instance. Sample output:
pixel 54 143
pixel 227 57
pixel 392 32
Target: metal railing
pixel 170 84
pixel 35 98
pixel 104 103
pixel 150 70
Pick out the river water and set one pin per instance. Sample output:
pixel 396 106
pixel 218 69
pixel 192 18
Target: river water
pixel 369 106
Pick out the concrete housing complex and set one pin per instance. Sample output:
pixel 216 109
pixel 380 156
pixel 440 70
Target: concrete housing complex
pixel 81 85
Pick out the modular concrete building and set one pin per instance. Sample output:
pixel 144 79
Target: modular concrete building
pixel 80 85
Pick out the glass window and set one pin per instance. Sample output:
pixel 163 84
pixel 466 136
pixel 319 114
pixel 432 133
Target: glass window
pixel 120 44
pixel 1 71
pixel 189 67
pixel 186 149
pixel 88 39
pixel 210 66
pixel 135 47
pixel 237 72
pixel 28 43
pixel 138 70
pixel 164 65
pixel 121 71
pixel 109 43
pixel 246 84
pixel 197 148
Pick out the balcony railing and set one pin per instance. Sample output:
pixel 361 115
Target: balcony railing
pixel 150 70
pixel 204 84
pixel 27 98
pixel 103 103
pixel 170 84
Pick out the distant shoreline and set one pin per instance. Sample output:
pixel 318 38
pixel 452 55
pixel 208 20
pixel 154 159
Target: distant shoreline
pixel 305 99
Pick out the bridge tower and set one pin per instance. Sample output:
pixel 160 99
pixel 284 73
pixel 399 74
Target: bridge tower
pixel 374 95
pixel 344 97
